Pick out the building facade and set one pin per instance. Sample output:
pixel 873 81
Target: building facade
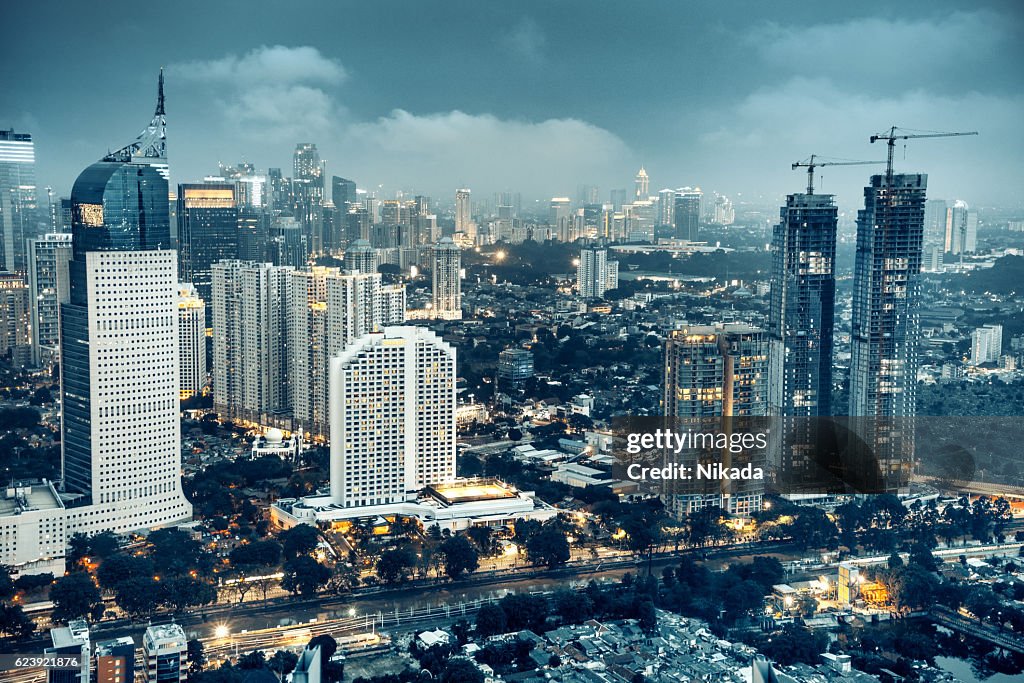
pixel 885 333
pixel 191 341
pixel 48 258
pixel 19 204
pixel 392 403
pixel 207 231
pixel 446 279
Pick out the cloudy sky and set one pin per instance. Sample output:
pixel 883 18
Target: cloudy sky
pixel 537 97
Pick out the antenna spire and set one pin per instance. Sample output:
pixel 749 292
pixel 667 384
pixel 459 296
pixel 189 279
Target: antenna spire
pixel 160 95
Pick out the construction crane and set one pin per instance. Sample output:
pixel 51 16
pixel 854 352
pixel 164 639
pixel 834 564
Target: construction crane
pixel 811 164
pixel 905 134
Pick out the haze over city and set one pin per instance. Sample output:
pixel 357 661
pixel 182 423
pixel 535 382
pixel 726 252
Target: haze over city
pixel 531 97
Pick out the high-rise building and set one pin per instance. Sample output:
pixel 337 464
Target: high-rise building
pixel 935 223
pixel 70 641
pixel 986 344
pixel 885 332
pixel 446 272
pixel 666 207
pixel 801 324
pixel 641 185
pixel 686 213
pixel 392 416
pixel 714 372
pixel 114 661
pixel 961 229
pixel 464 212
pixel 308 191
pixel 361 257
pixel 48 258
pixel 207 231
pixel 165 652
pixel 802 306
pixel 192 341
pixel 15 320
pixel 328 311
pixel 251 361
pixel 119 345
pixel 343 193
pixel 560 218
pixel 724 213
pixel 18 201
pixel 596 274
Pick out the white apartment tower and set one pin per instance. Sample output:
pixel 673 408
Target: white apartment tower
pixel 191 341
pixel 986 344
pixel 596 274
pixel 392 404
pixel 48 258
pixel 446 267
pixel 464 212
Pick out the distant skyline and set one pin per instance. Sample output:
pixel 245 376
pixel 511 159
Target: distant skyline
pixel 531 97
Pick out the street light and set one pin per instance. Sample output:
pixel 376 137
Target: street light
pixel 221 631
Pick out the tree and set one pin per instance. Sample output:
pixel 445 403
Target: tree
pixel 525 611
pixel 75 596
pixel 184 591
pixel 301 539
pixel 813 529
pixel 119 568
pixel 139 596
pixel 461 670
pixel 282 663
pixel 395 566
pixel 103 544
pixel 14 622
pixel 252 661
pixel 459 556
pixel 573 607
pixel 304 575
pixel 196 657
pixel 6 582
pixel 491 621
pixel 549 546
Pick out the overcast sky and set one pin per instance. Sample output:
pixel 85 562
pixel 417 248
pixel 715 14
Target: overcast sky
pixel 537 97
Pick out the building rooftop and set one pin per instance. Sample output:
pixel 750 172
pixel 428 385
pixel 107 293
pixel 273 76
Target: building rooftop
pixel 24 497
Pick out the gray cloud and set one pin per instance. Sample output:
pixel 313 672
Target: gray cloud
pixel 879 54
pixel 486 152
pixel 265 64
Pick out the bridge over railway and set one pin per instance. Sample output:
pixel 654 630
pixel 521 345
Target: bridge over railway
pixel 978 629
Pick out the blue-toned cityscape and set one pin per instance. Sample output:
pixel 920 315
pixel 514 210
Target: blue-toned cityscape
pixel 429 404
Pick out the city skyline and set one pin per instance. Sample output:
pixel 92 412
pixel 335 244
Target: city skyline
pixel 555 122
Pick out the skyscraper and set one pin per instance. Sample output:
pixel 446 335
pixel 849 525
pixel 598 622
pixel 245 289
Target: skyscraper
pixel 686 213
pixel 308 191
pixel 446 292
pixel 119 345
pixel 48 258
pixel 641 185
pixel 343 193
pixel 715 372
pixel 885 333
pixel 392 416
pixel 463 212
pixel 961 229
pixel 207 231
pixel 935 223
pixel 328 311
pixel 18 200
pixel 802 306
pixel 15 317
pixel 596 274
pixel 191 341
pixel 560 218
pixel 251 364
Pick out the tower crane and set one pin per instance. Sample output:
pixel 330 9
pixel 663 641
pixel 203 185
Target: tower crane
pixel 811 164
pixel 906 134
